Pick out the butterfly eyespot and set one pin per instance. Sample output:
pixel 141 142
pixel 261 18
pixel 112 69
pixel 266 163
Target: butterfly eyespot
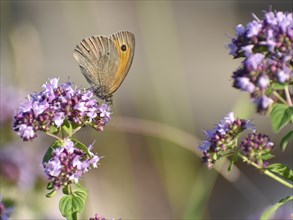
pixel 123 47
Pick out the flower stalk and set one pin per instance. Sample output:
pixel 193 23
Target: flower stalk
pixel 288 97
pixel 265 171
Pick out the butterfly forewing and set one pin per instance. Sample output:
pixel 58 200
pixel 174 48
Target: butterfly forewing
pixel 125 43
pixel 98 59
pixel 105 61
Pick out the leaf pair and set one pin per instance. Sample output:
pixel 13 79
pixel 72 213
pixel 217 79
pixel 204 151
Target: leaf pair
pixel 281 115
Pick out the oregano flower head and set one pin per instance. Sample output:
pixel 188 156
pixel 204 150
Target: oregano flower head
pixel 267 48
pixel 55 105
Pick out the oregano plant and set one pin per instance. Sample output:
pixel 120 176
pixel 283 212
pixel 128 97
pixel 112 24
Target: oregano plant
pixel 266 73
pixel 60 111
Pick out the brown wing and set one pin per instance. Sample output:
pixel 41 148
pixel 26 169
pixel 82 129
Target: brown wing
pixel 98 59
pixel 125 44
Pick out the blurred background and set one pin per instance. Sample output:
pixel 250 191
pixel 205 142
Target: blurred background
pixel 179 83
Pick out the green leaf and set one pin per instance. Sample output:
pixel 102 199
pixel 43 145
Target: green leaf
pixel 278 86
pixel 70 205
pixel 80 188
pixel 81 146
pixel 285 140
pixel 51 194
pixel 49 153
pixel 280 116
pixel 74 203
pixel 74 125
pixel 281 170
pixel 8 202
pixel 50 186
pixel 80 192
pixel 53 129
pixel 232 162
pixel 67 128
pixel 267 214
pixel 267 156
pixel 66 190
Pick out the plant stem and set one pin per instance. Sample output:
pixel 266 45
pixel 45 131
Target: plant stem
pixel 280 97
pixel 288 97
pixel 75 130
pixel 53 135
pixel 266 172
pixel 270 174
pixel 74 216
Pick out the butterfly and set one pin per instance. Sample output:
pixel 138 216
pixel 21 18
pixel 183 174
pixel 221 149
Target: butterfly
pixel 105 61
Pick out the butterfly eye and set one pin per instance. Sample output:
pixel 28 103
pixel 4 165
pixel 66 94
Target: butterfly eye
pixel 123 47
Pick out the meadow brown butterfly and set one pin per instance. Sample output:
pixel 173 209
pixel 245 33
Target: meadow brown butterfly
pixel 105 61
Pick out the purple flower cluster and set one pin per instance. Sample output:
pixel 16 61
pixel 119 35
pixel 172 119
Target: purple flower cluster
pixel 267 48
pixel 98 217
pixel 221 138
pixel 255 145
pixel 56 104
pixel 5 211
pixel 18 165
pixel 68 164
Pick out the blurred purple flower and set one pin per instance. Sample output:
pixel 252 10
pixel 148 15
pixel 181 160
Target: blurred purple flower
pixel 205 146
pixel 98 217
pixel 5 210
pixel 9 100
pixel 283 76
pixel 262 103
pixel 244 84
pixel 263 81
pixel 18 165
